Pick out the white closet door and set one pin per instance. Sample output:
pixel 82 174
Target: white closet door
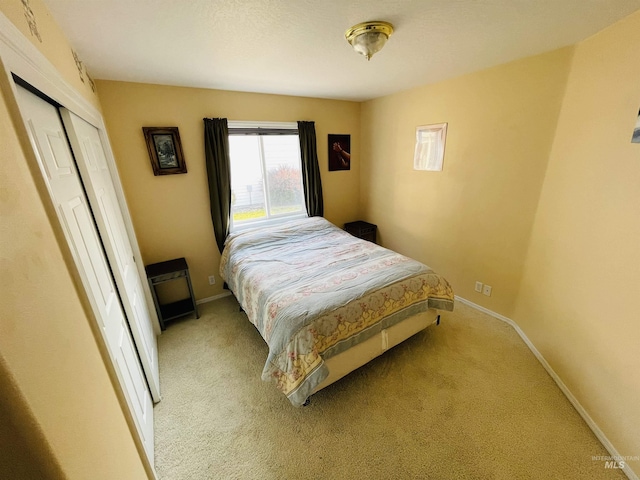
pixel 90 157
pixel 50 144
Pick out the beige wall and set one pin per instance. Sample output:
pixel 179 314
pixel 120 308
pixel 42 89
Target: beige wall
pixel 171 213
pixel 64 406
pixel 52 43
pixel 23 453
pixel 471 221
pixel 579 296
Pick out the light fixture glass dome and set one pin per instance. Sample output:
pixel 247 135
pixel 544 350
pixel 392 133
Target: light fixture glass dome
pixel 369 37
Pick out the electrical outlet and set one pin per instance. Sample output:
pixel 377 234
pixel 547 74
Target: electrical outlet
pixel 479 287
pixel 486 290
pixel 212 279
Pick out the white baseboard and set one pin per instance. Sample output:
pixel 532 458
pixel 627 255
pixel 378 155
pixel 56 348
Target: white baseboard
pixel 574 401
pixel 211 299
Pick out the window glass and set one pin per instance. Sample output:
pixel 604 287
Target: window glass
pixel 266 178
pixel 284 176
pixel 247 187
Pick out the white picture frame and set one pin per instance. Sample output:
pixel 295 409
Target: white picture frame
pixel 430 143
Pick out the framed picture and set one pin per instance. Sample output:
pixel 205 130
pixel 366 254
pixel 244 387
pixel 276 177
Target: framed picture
pixel 339 152
pixel 635 138
pixel 165 150
pixel 429 151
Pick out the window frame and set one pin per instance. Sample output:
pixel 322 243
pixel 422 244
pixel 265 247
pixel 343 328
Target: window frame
pixel 261 129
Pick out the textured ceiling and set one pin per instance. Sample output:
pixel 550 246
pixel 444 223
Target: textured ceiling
pixel 297 47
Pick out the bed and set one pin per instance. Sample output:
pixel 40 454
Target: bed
pixel 326 302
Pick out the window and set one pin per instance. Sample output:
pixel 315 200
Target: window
pixel 266 173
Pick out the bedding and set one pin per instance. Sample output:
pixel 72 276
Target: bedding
pixel 313 291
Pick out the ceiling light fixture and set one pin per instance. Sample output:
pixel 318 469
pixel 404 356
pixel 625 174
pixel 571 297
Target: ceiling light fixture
pixel 368 38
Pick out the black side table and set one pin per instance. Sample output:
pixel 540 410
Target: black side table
pixel 364 230
pixel 161 272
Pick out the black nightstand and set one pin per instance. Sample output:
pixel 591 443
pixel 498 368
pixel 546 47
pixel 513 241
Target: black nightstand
pixel 158 273
pixel 364 230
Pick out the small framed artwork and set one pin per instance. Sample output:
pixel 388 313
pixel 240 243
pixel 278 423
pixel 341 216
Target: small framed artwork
pixel 635 138
pixel 429 152
pixel 165 150
pixel 339 152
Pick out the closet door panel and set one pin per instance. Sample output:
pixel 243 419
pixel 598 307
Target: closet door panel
pixel 56 162
pixel 89 152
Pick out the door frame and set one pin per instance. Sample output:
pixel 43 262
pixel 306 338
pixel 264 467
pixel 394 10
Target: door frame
pixel 20 57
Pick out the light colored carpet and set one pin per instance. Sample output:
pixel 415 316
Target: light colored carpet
pixel 462 400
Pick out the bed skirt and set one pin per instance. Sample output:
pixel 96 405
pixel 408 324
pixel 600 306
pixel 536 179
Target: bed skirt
pixel 356 356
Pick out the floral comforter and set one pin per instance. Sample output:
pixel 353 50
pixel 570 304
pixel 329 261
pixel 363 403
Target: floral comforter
pixel 313 290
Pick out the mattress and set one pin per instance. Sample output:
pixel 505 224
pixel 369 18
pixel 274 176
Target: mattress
pixel 314 291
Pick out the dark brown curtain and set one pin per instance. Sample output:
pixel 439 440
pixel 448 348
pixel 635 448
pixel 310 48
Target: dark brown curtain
pixel 310 169
pixel 216 151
